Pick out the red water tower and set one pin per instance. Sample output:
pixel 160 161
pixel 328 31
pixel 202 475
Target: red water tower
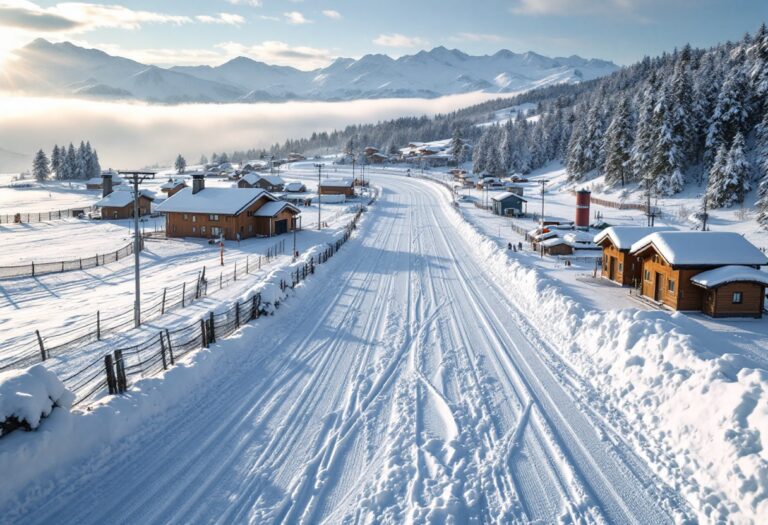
pixel 582 208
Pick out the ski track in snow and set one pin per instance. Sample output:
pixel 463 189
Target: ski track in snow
pixel 405 387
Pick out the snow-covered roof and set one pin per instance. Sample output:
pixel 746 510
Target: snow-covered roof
pixel 172 184
pixel 98 180
pixel 337 183
pixel 702 248
pixel 554 241
pixel 271 209
pixel 730 274
pixel 623 237
pixel 578 237
pixel 505 195
pixel 220 201
pixel 253 178
pixel 294 186
pixel 119 199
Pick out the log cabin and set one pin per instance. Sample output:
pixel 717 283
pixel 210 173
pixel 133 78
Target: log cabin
pixel 119 204
pixel 227 212
pixel 717 273
pixel 336 187
pixel 265 182
pixel 617 264
pixel 173 186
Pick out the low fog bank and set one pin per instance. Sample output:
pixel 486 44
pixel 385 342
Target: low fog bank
pixel 132 135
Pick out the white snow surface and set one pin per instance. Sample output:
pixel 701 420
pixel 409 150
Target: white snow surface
pixel 224 201
pixel 702 248
pixel 730 274
pixel 31 394
pixel 623 237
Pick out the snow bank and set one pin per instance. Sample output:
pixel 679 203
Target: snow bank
pixel 697 416
pixel 27 396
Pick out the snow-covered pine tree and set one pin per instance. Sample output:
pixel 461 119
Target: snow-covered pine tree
pixel 592 140
pixel 618 146
pixel 180 165
pixel 737 168
pixel 644 134
pixel 730 114
pixel 667 157
pixel 493 163
pixel 40 169
pixel 721 187
pixel 576 163
pixel 509 149
pixel 82 161
pixel 682 117
pixel 55 160
pixel 95 165
pixel 761 206
pixel 456 146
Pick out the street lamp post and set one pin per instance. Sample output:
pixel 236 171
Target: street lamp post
pixel 319 172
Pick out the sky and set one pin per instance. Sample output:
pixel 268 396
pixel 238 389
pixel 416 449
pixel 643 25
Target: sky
pixel 310 33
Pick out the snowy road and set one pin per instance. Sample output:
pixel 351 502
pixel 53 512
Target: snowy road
pixel 401 385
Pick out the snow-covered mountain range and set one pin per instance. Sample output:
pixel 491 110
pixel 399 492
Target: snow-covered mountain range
pixel 46 68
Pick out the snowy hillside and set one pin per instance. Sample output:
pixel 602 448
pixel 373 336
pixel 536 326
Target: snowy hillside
pixel 65 69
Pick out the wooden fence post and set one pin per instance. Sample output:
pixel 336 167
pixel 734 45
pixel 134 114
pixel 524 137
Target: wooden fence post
pixel 110 369
pixel 212 333
pixel 254 308
pixel 42 347
pixel 204 336
pixel 237 314
pixel 170 347
pixel 235 274
pixel 122 380
pixel 162 307
pixel 162 351
pixel 183 293
pixel 98 325
pixel 33 268
pixel 247 265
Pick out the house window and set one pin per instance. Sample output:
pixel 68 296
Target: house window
pixel 202 230
pixel 250 228
pixel 186 217
pixel 647 275
pixel 194 218
pixel 738 297
pixel 213 217
pixel 215 231
pixel 194 230
pixel 670 285
pixel 621 267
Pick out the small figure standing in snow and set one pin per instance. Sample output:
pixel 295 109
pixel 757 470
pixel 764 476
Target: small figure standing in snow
pixel 509 246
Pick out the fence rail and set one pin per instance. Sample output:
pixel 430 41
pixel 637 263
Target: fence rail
pixel 41 347
pixel 116 371
pixel 43 216
pixel 33 269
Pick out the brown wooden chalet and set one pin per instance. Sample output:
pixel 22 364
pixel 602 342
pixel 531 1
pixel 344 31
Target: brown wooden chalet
pixel 214 212
pixel 714 272
pixel 336 187
pixel 265 182
pixel 118 204
pixel 173 186
pixel 618 264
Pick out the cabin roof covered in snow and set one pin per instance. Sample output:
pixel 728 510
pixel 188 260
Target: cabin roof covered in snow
pixel 693 248
pixel 253 178
pixel 172 184
pixel 730 274
pixel 271 209
pixel 505 195
pixel 337 183
pixel 623 237
pixel 120 199
pixel 294 186
pixel 220 201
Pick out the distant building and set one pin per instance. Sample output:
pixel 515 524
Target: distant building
pixel 265 182
pixel 509 203
pixel 295 187
pixel 336 187
pixel 714 272
pixel 226 212
pixel 118 204
pixel 295 157
pixel 173 186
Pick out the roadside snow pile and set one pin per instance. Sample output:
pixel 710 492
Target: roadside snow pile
pixel 27 396
pixel 697 415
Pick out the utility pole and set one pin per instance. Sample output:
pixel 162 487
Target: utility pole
pixel 319 172
pixel 543 183
pixel 135 178
pixel 706 213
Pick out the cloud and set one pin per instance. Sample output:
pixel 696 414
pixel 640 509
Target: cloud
pixel 252 3
pixel 280 53
pixel 296 18
pixel 571 7
pixel 33 19
pixel 477 37
pixel 330 13
pixel 270 18
pixel 221 18
pixel 398 40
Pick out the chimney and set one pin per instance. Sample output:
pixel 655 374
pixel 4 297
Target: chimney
pixel 583 198
pixel 198 183
pixel 106 184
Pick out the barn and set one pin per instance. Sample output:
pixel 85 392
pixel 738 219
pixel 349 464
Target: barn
pixel 714 272
pixel 617 263
pixel 228 212
pixel 509 203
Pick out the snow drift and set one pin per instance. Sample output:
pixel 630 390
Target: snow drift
pixel 695 414
pixel 27 396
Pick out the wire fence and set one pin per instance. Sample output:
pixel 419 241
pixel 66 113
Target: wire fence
pixel 114 372
pixel 40 347
pixel 34 269
pixel 43 216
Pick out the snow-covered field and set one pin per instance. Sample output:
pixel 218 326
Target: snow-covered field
pixel 426 374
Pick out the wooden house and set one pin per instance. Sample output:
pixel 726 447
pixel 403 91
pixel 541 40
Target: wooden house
pixel 556 246
pixel 618 264
pixel 336 187
pixel 119 204
pixel 173 186
pixel 702 271
pixel 265 182
pixel 216 212
pixel 508 203
pixel 295 187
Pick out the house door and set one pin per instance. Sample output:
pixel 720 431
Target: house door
pixel 281 226
pixel 612 269
pixel 657 288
